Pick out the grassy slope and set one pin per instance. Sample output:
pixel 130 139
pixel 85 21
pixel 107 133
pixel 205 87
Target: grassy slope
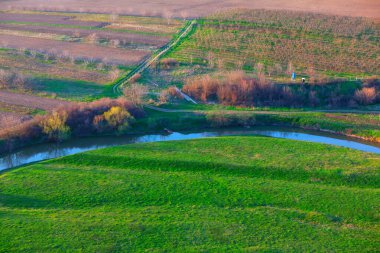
pixel 251 193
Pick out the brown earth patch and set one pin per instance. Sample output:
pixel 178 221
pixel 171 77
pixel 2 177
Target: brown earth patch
pixel 196 8
pixel 126 37
pixel 31 66
pixel 77 50
pixel 51 19
pixel 31 101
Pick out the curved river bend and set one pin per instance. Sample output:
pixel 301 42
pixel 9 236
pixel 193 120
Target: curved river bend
pixel 48 151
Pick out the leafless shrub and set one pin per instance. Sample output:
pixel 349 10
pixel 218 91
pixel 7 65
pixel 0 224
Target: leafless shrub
pixel 170 94
pixel 14 80
pixel 114 74
pixel 366 95
pixel 135 93
pixel 237 89
pixel 92 38
pixel 168 63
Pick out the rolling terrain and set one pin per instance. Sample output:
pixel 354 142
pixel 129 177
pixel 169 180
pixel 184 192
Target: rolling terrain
pixel 214 194
pixel 129 71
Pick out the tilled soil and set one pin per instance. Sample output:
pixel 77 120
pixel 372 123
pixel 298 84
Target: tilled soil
pixel 77 50
pixel 31 101
pixel 125 37
pixel 51 19
pixel 196 8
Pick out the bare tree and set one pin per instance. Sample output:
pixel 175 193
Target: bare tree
pixel 135 93
pixel 278 69
pixel 92 38
pixel 290 68
pixel 259 68
pixel 114 17
pixel 114 74
pixel 366 95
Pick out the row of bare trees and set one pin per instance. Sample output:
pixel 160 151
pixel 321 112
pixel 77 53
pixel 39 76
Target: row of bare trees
pixel 238 89
pixel 14 80
pixel 299 21
pixel 227 48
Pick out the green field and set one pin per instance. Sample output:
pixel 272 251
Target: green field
pixel 73 90
pixel 253 194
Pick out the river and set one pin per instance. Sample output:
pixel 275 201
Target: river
pixel 52 150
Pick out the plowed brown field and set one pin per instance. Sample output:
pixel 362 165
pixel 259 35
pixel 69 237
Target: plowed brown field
pixel 367 8
pixel 132 38
pixel 51 19
pixel 30 101
pixel 78 50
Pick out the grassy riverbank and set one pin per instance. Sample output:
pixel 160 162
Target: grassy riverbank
pixel 230 193
pixel 197 117
pixel 205 117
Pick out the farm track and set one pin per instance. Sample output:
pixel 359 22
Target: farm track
pixel 149 61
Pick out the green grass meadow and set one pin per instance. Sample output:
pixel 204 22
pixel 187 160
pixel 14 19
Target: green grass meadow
pixel 235 194
pixel 74 90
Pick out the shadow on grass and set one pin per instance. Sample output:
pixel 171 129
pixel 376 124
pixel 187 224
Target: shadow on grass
pixel 7 200
pixel 73 89
pixel 318 176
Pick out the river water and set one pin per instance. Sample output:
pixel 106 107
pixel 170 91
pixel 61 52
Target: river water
pixel 51 150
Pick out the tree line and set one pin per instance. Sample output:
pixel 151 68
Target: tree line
pixel 241 90
pixel 75 120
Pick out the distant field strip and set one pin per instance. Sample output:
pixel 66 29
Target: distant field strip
pixel 31 18
pixel 57 69
pixel 135 35
pixel 109 55
pixel 130 38
pixel 196 8
pixel 31 101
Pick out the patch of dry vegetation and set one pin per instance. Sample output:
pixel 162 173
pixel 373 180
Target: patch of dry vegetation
pixel 32 63
pixel 30 101
pixel 238 89
pixel 11 119
pixel 75 119
pixel 86 51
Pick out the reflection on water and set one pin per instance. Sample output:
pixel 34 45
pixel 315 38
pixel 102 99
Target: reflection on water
pixel 49 151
